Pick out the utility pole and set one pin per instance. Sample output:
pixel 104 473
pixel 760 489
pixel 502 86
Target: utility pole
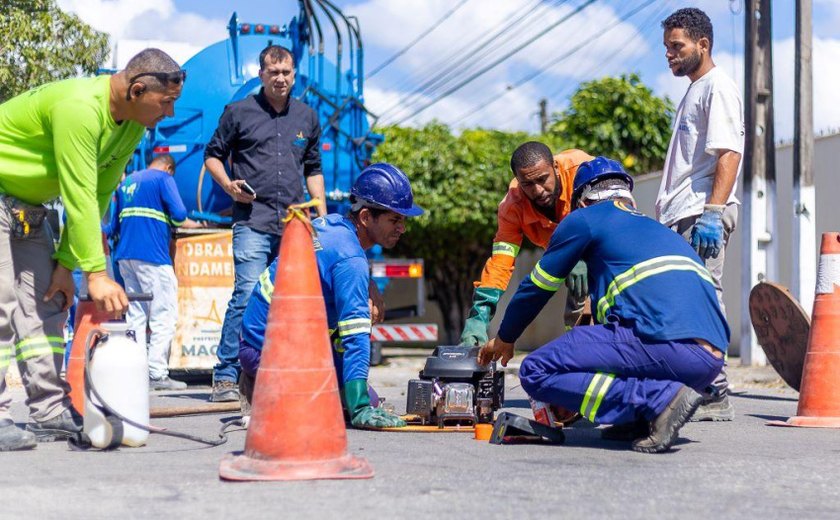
pixel 804 197
pixel 760 245
pixel 543 115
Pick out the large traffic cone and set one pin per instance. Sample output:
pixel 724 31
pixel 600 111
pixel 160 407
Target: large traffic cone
pixel 819 396
pixel 87 319
pixel 297 428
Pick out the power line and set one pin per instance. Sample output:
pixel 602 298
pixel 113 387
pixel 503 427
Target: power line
pixel 533 75
pixel 416 40
pixel 454 65
pixel 492 65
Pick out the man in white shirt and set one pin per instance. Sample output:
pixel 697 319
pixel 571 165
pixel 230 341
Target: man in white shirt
pixel 697 195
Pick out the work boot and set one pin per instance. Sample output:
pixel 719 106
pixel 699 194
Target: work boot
pixel 165 383
pixel 63 426
pixel 664 430
pixel 626 432
pixel 224 392
pixel 715 409
pixel 246 394
pixel 13 438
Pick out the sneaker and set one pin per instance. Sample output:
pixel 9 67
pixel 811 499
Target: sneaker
pixel 165 383
pixel 246 393
pixel 626 432
pixel 13 438
pixel 715 409
pixel 224 392
pixel 664 430
pixel 63 426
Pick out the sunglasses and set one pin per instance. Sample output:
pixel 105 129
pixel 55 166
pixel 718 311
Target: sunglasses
pixel 176 78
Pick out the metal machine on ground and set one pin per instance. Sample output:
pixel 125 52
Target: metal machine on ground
pixel 454 389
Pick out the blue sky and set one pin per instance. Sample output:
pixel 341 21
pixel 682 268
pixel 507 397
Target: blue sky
pixel 607 46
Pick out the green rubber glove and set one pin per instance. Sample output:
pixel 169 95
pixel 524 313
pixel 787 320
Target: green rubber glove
pixel 362 414
pixel 482 311
pixel 577 283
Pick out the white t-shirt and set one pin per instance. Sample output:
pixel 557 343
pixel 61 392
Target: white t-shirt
pixel 709 119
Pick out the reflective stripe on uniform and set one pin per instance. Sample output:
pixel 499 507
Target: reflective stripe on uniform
pixel 147 213
pixel 266 286
pixel 353 326
pixel 6 353
pixel 640 271
pixel 595 394
pixel 336 341
pixel 505 248
pixel 545 281
pixel 39 346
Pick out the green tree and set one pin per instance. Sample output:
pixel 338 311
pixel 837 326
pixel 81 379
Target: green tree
pixel 460 181
pixel 619 118
pixel 42 44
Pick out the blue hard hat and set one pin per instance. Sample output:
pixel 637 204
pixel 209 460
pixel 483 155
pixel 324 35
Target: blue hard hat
pixel 385 186
pixel 598 169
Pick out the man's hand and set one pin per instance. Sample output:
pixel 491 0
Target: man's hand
pixel 707 235
pixel 495 350
pixel 107 294
pixel 61 282
pixel 234 189
pixel 376 303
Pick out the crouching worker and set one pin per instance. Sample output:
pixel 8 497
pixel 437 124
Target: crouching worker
pixel 381 199
pixel 660 337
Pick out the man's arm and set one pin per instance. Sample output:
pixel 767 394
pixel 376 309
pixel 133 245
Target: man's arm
pixel 218 151
pixel 315 187
pixel 726 172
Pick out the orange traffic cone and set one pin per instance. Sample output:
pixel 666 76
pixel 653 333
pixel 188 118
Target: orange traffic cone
pixel 819 396
pixel 297 428
pixel 87 318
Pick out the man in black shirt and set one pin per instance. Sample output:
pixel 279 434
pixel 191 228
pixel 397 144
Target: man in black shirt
pixel 271 140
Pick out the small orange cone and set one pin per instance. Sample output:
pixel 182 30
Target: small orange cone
pixel 297 428
pixel 87 318
pixel 819 396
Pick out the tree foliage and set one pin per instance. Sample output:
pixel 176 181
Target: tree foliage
pixel 459 180
pixel 41 44
pixel 618 117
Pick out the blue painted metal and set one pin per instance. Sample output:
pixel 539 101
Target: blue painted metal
pixel 227 71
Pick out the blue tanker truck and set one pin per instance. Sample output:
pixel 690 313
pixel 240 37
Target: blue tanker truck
pixel 333 85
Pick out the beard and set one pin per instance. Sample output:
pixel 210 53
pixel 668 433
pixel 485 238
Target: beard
pixel 688 65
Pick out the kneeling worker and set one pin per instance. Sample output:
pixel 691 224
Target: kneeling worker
pixel 660 335
pixel 381 199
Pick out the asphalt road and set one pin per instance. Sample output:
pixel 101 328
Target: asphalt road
pixel 741 469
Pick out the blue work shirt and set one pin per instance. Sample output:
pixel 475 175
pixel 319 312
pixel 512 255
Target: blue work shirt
pixel 147 206
pixel 640 273
pixel 345 275
pixel 272 151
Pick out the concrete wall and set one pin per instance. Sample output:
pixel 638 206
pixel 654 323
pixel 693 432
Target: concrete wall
pixel 549 324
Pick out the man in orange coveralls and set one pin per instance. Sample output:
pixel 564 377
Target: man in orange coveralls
pixel 538 198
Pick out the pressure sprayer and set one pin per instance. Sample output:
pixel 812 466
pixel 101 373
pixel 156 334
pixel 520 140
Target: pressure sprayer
pixel 117 393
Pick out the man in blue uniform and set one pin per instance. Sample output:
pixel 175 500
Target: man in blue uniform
pixel 147 206
pixel 381 200
pixel 660 337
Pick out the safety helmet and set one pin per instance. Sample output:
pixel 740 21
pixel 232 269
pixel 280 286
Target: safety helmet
pixel 598 169
pixel 385 186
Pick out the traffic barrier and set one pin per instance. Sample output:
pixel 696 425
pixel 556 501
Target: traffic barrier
pixel 297 429
pixel 819 397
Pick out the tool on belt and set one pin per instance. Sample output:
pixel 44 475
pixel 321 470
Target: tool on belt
pixel 25 218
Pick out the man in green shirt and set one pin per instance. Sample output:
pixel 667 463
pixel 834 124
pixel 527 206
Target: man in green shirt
pixel 73 139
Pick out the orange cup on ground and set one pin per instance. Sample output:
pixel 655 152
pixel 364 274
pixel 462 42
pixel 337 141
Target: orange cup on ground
pixel 483 432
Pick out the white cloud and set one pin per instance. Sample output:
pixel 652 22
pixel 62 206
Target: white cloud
pixel 397 23
pixel 156 22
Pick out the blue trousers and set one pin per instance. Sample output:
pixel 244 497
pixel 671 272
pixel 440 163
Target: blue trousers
pixel 253 251
pixel 613 377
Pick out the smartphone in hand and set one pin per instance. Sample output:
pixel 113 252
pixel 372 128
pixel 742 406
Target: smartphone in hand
pixel 248 189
